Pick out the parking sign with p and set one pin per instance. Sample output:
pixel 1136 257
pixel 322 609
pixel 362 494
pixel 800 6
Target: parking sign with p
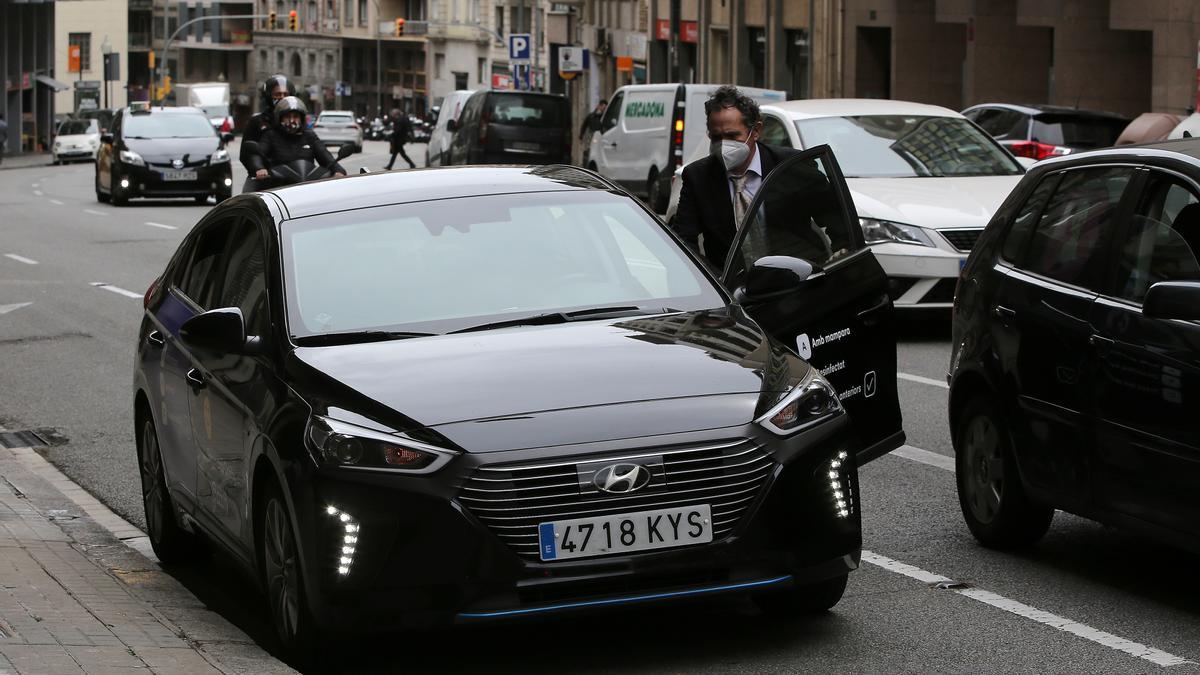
pixel 519 47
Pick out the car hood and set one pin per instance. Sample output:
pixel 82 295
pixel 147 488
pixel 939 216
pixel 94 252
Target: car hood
pixel 163 150
pixel 931 202
pixel 508 373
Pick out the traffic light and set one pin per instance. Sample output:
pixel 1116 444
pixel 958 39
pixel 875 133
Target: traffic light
pixel 271 20
pixel 293 21
pixel 399 27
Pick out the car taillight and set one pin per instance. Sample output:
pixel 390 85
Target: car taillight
pixel 1036 150
pixel 149 292
pixel 226 126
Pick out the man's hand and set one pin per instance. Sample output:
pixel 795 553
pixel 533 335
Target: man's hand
pixel 338 173
pixel 261 173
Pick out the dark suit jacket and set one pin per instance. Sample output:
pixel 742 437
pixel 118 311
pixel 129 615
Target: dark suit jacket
pixel 811 228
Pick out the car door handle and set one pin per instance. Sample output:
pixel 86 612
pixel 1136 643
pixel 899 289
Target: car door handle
pixel 155 339
pixel 1005 314
pixel 196 379
pixel 1101 344
pixel 871 317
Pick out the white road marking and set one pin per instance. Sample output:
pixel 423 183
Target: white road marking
pixel 923 380
pixel 117 289
pixel 55 201
pixel 37 185
pixel 20 258
pixel 95 212
pixel 1086 632
pixel 925 457
pixel 37 193
pixel 5 309
pixel 165 227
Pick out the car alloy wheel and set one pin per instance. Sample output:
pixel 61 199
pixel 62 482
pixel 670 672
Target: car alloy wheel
pixel 171 543
pixel 993 500
pixel 283 579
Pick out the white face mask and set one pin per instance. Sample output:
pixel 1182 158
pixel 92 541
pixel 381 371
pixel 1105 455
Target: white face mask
pixel 732 153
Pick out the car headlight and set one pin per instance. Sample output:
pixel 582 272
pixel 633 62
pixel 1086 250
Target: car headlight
pixel 219 157
pixel 336 443
pixel 131 157
pixel 811 401
pixel 881 231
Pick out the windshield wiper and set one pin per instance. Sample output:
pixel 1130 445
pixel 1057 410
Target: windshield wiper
pixel 561 317
pixel 356 336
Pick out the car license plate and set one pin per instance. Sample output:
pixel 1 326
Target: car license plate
pixel 625 533
pixel 179 175
pixel 524 147
pixel 962 263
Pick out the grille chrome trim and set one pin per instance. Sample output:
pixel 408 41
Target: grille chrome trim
pixel 511 500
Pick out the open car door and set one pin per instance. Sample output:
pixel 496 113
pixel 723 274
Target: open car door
pixel 800 267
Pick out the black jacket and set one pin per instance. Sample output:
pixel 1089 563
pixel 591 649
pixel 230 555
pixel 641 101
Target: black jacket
pixel 811 229
pixel 401 131
pixel 255 128
pixel 276 147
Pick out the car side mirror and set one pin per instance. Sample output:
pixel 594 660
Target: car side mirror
pixel 452 125
pixel 219 330
pixel 775 274
pixel 1173 300
pixel 227 137
pixel 106 138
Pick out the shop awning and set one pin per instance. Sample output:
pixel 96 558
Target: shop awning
pixel 54 84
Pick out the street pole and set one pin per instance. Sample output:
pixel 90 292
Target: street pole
pixel 675 11
pixel 378 64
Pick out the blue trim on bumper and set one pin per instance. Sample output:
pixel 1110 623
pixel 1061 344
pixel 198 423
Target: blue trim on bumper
pixel 620 601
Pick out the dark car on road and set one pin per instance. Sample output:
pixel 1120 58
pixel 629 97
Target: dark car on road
pixel 1076 350
pixel 468 394
pixel 1041 131
pixel 162 152
pixel 512 127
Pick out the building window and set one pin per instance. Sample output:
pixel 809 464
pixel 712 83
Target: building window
pixel 416 10
pixel 439 65
pixel 482 63
pixel 84 41
pixel 296 65
pixel 500 20
pixel 460 80
pixel 263 64
pixel 347 13
pixel 312 66
pixel 362 12
pixel 330 69
pixel 278 65
pixel 757 38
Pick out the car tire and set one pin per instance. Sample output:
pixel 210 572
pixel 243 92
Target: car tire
pixel 805 599
pixel 283 579
pixel 655 198
pixel 998 511
pixel 171 543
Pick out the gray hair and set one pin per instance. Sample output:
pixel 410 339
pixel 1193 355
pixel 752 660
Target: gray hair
pixel 728 96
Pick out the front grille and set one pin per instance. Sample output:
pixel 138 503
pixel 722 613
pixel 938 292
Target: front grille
pixel 512 500
pixel 963 240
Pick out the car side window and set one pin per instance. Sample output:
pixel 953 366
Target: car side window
pixel 202 280
pixel 612 113
pixel 245 282
pixel 774 133
pixel 1163 241
pixel 1066 242
pixel 1022 227
pixel 1000 123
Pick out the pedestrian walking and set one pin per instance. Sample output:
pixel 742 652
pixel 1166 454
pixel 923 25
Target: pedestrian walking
pixel 401 134
pixel 591 124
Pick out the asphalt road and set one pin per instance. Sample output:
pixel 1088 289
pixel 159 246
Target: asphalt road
pixel 1086 599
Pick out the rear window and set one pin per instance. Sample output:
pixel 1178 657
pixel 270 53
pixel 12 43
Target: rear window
pixel 542 112
pixel 1076 131
pixel 335 119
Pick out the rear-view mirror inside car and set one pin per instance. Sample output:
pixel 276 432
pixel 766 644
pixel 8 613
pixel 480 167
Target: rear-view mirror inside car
pixel 776 274
pixel 219 330
pixel 1173 300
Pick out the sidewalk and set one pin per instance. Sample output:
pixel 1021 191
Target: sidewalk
pixel 25 160
pixel 75 599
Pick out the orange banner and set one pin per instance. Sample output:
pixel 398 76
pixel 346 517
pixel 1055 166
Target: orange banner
pixel 73 59
pixel 625 64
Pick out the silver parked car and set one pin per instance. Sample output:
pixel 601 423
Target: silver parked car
pixel 338 127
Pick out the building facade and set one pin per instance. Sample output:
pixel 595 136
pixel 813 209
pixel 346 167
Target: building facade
pixel 27 61
pixel 95 27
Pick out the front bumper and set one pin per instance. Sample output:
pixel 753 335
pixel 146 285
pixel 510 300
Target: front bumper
pixel 73 154
pixel 920 276
pixel 149 181
pixel 420 556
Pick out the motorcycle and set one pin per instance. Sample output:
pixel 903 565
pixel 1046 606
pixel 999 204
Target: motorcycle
pixel 293 173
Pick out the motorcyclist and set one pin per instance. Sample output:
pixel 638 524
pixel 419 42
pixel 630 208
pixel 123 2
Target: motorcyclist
pixel 270 92
pixel 288 141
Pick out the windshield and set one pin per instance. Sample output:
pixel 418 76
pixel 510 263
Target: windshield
pixel 167 125
pixel 1076 131
pixel 527 111
pixel 78 127
pixel 445 265
pixel 901 146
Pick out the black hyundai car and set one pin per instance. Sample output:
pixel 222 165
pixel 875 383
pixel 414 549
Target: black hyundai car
pixel 1077 350
pixel 162 152
pixel 470 394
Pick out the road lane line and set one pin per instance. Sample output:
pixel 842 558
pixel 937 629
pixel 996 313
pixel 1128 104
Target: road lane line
pixel 165 227
pixel 20 258
pixel 117 289
pixel 95 212
pixel 923 380
pixel 5 309
pixel 37 193
pixel 55 201
pixel 933 459
pixel 1084 631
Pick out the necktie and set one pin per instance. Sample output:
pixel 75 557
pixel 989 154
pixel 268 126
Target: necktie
pixel 754 246
pixel 741 201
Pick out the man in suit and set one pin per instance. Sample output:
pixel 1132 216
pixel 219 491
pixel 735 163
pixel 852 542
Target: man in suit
pixel 718 189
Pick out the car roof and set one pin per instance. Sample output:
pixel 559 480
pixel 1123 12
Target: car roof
pixel 418 185
pixel 853 107
pixel 1036 109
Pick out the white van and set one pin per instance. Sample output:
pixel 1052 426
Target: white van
pixel 437 152
pixel 648 129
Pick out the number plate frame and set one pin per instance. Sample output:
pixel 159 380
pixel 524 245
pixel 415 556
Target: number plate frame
pixel 182 174
pixel 596 540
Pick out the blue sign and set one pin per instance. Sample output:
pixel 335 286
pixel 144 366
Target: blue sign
pixel 519 47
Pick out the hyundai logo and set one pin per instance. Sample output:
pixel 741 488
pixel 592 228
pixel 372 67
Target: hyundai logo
pixel 621 478
pixel 177 163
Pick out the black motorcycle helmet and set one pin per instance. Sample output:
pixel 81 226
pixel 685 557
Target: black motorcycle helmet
pixel 285 108
pixel 266 90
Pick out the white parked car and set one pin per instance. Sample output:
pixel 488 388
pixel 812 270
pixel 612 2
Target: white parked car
pixel 437 152
pixel 924 179
pixel 338 128
pixel 76 140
